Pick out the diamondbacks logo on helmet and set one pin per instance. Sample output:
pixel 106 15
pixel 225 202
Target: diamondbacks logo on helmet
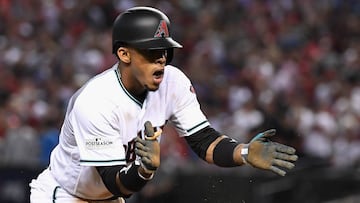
pixel 162 30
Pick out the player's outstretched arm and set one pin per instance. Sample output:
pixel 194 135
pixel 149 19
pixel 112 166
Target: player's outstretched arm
pixel 260 152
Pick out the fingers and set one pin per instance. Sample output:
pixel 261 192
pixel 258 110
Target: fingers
pixel 149 129
pixel 282 163
pixel 140 148
pixel 286 157
pixel 140 141
pixel 282 160
pixel 277 171
pixel 148 164
pixel 269 133
pixel 263 135
pixel 141 153
pixel 146 160
pixel 148 149
pixel 284 148
pixel 265 154
pixel 144 147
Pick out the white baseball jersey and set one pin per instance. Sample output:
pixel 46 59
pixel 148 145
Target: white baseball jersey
pixel 103 119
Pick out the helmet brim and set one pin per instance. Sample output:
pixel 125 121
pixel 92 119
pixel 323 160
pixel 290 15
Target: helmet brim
pixel 160 43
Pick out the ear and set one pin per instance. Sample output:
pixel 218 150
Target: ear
pixel 124 54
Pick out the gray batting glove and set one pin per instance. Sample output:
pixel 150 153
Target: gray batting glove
pixel 148 149
pixel 262 153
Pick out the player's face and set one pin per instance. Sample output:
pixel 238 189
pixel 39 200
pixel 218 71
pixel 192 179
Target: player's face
pixel 148 67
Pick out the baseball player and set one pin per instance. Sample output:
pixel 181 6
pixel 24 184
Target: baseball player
pixel 109 142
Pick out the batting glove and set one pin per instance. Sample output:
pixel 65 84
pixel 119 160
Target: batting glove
pixel 148 149
pixel 262 153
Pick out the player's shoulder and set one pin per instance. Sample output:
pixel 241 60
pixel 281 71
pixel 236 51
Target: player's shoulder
pixel 100 82
pixel 174 74
pixel 93 93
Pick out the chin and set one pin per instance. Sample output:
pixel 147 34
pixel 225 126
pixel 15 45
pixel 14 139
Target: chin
pixel 152 88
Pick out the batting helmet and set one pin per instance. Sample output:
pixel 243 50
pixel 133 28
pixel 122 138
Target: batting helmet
pixel 143 28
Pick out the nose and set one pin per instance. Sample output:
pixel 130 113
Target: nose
pixel 161 60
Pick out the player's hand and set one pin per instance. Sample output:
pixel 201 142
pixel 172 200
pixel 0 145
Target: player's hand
pixel 148 149
pixel 268 155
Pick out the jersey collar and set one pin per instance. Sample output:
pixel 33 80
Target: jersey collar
pixel 118 76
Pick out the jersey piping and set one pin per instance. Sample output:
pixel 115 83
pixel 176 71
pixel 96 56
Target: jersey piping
pixel 107 161
pixel 54 193
pixel 196 126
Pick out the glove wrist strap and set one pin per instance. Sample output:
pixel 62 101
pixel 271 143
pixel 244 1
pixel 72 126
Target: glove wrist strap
pixel 244 153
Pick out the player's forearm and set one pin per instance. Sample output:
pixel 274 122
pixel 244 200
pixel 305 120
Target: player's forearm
pixel 133 179
pixel 234 157
pixel 123 181
pixel 125 191
pixel 215 148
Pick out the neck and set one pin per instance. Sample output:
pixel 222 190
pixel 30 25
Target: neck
pixel 132 86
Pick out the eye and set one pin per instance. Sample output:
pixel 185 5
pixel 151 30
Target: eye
pixel 153 55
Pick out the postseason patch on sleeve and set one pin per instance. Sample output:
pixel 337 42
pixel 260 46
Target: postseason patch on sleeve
pixel 98 143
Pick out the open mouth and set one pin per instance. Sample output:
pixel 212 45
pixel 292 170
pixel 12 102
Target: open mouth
pixel 158 76
pixel 159 73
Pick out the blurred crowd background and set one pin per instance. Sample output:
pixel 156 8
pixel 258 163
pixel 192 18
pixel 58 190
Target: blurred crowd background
pixel 293 65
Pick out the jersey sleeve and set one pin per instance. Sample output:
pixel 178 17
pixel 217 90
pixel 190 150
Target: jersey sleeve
pixel 187 115
pixel 97 134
